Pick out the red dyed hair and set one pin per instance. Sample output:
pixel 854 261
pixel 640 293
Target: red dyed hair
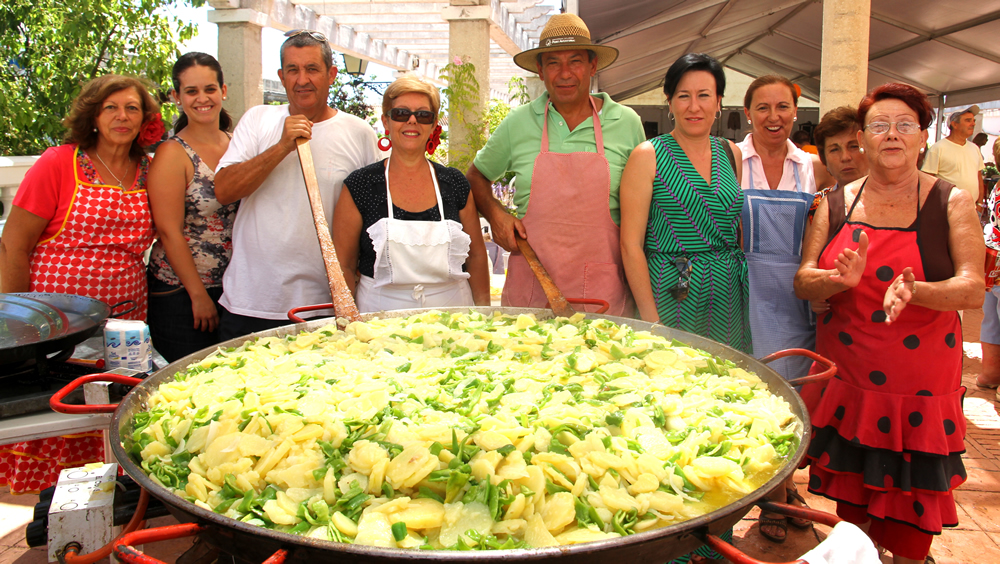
pixel 915 99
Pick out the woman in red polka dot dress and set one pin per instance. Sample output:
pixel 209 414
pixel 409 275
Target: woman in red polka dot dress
pixel 896 256
pixel 80 224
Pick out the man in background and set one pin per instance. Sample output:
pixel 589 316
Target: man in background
pixel 957 160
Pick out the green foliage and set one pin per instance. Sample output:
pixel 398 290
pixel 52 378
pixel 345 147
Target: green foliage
pixel 518 90
pixel 496 114
pixel 503 190
pixel 348 94
pixel 50 48
pixel 462 94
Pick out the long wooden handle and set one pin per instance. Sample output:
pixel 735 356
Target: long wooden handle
pixel 557 301
pixel 343 302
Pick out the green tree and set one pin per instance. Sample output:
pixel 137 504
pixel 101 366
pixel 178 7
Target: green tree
pixel 348 94
pixel 462 95
pixel 50 48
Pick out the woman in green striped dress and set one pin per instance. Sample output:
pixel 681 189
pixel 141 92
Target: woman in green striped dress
pixel 681 202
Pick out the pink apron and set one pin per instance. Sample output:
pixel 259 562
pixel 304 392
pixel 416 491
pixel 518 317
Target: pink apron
pixel 570 228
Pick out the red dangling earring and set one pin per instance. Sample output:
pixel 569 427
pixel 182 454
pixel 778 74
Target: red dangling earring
pixel 434 140
pixel 387 145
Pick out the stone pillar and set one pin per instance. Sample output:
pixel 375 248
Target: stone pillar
pixel 844 74
pixel 239 55
pixel 469 40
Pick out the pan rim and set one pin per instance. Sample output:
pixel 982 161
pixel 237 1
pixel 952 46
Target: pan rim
pixel 697 526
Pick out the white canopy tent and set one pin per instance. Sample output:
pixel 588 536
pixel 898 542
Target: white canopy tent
pixel 948 48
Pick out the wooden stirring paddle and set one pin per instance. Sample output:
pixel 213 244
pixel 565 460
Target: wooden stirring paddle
pixel 343 302
pixel 557 301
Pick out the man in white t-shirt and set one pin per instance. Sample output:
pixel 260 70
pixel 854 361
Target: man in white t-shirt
pixel 955 159
pixel 277 263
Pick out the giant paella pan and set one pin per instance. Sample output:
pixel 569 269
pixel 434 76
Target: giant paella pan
pixel 243 536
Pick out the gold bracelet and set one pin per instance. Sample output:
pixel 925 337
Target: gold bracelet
pixel 913 290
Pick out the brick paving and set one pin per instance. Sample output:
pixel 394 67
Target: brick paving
pixel 976 539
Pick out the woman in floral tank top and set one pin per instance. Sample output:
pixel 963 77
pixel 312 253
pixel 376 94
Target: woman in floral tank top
pixel 194 229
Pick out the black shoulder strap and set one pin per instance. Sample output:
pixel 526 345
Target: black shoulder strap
pixel 729 153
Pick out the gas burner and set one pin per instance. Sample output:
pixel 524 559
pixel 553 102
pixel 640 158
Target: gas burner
pixel 27 387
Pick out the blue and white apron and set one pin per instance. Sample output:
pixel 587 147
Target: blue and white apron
pixel 774 224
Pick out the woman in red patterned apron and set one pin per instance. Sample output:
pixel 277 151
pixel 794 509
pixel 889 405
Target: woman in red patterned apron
pixel 896 254
pixel 80 224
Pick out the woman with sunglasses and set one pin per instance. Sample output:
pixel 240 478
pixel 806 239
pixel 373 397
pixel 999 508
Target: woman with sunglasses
pixel 896 254
pixel 406 229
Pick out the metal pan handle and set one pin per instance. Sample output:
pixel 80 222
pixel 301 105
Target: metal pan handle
pixel 126 312
pixel 57 404
pixel 830 372
pixel 736 556
pixel 293 314
pixel 125 552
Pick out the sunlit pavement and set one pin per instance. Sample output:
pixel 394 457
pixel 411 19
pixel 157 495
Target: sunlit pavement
pixel 977 537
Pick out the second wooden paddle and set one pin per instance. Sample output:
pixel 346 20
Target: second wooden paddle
pixel 343 302
pixel 557 301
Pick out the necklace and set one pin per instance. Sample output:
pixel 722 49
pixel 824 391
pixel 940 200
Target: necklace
pixel 124 174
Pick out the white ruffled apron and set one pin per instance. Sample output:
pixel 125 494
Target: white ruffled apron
pixel 417 263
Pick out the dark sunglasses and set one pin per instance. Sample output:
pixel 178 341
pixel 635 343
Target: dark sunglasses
pixel 314 34
pixel 403 115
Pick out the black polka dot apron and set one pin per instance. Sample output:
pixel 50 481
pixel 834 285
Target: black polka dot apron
pixel 97 252
pixel 888 431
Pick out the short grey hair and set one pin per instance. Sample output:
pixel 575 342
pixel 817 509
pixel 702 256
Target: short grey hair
pixel 306 40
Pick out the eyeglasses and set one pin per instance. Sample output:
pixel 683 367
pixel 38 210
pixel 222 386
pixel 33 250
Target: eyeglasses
pixel 314 34
pixel 903 127
pixel 403 115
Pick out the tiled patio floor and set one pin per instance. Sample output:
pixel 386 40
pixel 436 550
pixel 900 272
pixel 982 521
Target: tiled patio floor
pixel 975 540
pixel 977 537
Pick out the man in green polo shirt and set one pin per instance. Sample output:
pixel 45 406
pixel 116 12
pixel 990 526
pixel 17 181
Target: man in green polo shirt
pixel 566 193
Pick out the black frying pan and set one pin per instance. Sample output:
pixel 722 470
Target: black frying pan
pixel 36 324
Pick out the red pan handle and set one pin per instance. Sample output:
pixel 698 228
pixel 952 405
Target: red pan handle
pixel 125 551
pixel 57 404
pixel 590 301
pixel 830 372
pixel 736 556
pixel 293 313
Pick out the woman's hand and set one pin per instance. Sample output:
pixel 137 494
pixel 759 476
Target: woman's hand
pixel 206 316
pixel 899 293
pixel 850 264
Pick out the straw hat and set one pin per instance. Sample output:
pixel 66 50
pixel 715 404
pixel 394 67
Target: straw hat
pixel 565 32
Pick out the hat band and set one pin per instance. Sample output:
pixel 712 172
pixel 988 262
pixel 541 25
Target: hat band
pixel 561 40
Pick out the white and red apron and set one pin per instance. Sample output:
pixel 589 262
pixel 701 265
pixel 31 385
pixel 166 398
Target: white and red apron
pixel 417 263
pixel 98 250
pixel 570 229
pixel 97 253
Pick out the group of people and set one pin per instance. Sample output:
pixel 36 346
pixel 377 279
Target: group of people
pixel 728 240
